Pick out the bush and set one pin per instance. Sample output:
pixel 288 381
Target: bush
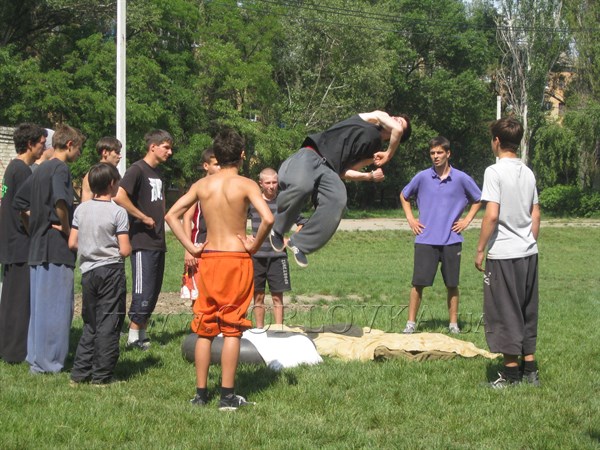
pixel 590 205
pixel 561 200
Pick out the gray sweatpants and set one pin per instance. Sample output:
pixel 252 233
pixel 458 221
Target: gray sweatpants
pixel 306 175
pixel 51 299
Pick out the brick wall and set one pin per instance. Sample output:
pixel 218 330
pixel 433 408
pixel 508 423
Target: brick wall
pixel 7 149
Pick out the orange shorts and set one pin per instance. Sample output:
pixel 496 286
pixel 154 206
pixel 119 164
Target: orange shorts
pixel 225 290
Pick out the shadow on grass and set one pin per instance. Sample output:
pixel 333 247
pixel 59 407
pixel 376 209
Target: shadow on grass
pixel 595 435
pixel 252 379
pixel 128 368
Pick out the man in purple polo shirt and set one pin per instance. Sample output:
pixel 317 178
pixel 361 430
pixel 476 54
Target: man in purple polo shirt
pixel 442 193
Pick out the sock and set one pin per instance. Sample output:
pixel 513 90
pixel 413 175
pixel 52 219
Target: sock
pixel 453 325
pixel 512 373
pixel 202 393
pixel 143 336
pixel 529 366
pixel 226 391
pixel 134 335
pixel 410 323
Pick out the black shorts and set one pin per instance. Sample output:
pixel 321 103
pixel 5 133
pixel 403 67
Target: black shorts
pixel 275 271
pixel 510 305
pixel 426 262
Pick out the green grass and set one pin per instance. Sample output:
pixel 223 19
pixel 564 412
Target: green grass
pixel 339 405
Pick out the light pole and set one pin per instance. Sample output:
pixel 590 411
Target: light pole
pixel 121 75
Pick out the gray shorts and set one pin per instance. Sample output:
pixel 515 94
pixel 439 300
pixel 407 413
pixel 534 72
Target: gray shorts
pixel 427 258
pixel 275 271
pixel 510 305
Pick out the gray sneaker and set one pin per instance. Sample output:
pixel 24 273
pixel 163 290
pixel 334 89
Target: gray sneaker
pixel 277 241
pixel 454 330
pixel 532 378
pixel 232 402
pixel 502 382
pixel 299 255
pixel 409 329
pixel 198 401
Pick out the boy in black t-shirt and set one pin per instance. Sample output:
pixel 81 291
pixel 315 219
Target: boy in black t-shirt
pixel 47 196
pixel 141 193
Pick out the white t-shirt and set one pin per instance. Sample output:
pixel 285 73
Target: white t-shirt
pixel 511 184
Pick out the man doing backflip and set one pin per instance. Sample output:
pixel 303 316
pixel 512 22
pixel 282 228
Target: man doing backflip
pixel 316 172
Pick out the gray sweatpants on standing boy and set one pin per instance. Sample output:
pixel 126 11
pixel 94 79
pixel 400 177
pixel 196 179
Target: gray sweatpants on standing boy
pixel 306 175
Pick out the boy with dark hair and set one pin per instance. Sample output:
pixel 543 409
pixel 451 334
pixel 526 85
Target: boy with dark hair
pixel 442 193
pixel 48 198
pixel 226 274
pixel 141 193
pixel 109 151
pixel 100 236
pixel 29 142
pixel 195 226
pixel 510 230
pixel 48 151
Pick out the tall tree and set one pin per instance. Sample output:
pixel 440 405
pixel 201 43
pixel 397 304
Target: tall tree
pixel 531 35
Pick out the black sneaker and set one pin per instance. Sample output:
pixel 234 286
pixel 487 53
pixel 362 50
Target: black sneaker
pixel 140 344
pixel 277 241
pixel 198 401
pixel 232 402
pixel 532 378
pixel 502 382
pixel 299 255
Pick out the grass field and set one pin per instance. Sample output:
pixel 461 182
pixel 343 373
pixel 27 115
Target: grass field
pixel 341 405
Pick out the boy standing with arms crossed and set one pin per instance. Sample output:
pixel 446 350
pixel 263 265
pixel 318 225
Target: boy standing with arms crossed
pixel 109 151
pixel 141 193
pixel 510 229
pixel 270 266
pixel 100 235
pixel 226 273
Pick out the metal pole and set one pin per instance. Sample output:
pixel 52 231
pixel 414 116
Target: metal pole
pixel 498 107
pixel 121 76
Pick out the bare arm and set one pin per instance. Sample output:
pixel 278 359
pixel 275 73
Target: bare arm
pixel 488 225
pixel 188 217
pixel 462 224
pixel 536 219
pixel 174 215
pixel 86 192
pixel 62 213
pixel 414 224
pixel 124 245
pixel 354 173
pixel 390 125
pixel 266 222
pixel 122 199
pixel 73 245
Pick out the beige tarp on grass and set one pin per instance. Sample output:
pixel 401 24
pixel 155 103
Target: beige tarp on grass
pixel 354 343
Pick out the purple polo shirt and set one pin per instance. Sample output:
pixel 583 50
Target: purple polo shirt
pixel 441 203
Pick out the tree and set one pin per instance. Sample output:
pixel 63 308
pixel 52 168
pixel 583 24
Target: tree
pixel 531 35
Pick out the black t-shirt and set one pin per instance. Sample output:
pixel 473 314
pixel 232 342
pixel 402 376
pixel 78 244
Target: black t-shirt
pixel 14 240
pixel 41 192
pixel 145 190
pixel 346 142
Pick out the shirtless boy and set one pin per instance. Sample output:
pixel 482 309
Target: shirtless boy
pixel 222 305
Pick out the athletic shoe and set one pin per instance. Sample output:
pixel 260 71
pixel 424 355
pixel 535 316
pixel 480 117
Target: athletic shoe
pixel 454 330
pixel 299 255
pixel 532 378
pixel 142 345
pixel 502 382
pixel 277 241
pixel 232 402
pixel 198 401
pixel 409 329
pixel 105 383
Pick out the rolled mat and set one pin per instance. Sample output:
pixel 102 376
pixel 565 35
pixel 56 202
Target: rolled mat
pixel 248 352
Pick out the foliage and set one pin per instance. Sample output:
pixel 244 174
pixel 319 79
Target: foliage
pixel 555 160
pixel 561 200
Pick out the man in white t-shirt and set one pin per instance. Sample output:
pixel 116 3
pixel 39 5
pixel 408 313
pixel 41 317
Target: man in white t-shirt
pixel 510 229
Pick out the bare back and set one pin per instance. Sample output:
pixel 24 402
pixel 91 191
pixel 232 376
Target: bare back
pixel 225 197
